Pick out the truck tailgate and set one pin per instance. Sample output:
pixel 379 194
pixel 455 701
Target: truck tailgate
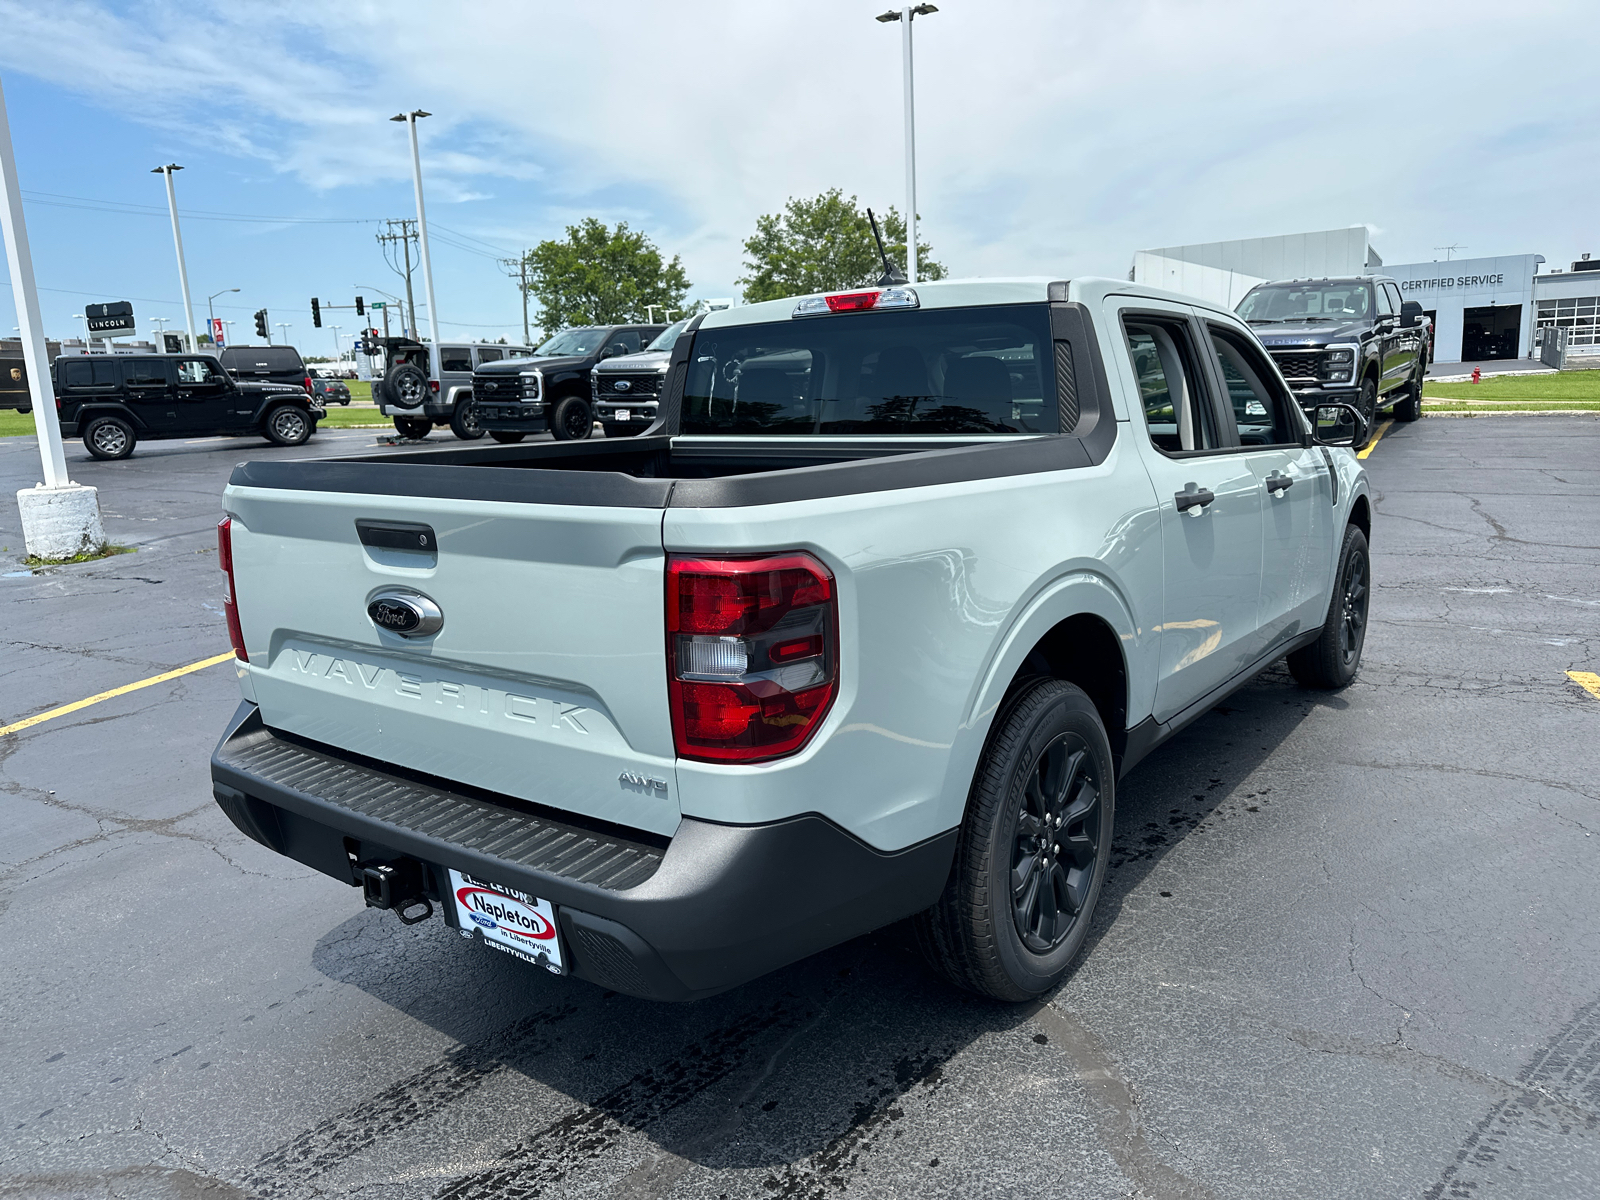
pixel 547 681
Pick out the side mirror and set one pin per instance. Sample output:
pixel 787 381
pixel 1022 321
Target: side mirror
pixel 1410 313
pixel 1336 425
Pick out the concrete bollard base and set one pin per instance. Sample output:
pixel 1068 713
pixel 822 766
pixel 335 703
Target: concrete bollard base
pixel 61 522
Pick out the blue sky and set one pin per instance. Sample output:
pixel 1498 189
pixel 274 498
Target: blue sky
pixel 1053 138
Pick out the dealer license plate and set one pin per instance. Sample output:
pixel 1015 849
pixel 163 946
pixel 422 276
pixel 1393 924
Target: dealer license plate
pixel 623 414
pixel 509 920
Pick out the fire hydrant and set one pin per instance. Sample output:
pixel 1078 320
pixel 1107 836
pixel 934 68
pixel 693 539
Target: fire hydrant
pixel 1476 374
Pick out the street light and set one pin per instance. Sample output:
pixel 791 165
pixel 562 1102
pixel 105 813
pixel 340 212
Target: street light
pixel 411 118
pixel 177 241
pixel 81 317
pixel 905 16
pixel 211 313
pixel 285 326
pixel 335 329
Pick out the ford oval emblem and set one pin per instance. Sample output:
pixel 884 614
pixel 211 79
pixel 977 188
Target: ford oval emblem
pixel 622 385
pixel 406 612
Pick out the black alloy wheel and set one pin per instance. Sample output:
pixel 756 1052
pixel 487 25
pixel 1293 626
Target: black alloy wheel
pixel 1032 851
pixel 1057 844
pixel 464 421
pixel 1331 662
pixel 572 420
pixel 288 425
pixel 1367 406
pixel 109 438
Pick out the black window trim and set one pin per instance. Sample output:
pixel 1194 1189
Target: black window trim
pixel 1207 381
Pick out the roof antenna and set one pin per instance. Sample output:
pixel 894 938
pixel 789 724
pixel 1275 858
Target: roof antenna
pixel 893 276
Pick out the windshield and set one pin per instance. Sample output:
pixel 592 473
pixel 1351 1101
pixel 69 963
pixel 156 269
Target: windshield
pixel 571 341
pixel 1283 302
pixel 668 336
pixel 964 370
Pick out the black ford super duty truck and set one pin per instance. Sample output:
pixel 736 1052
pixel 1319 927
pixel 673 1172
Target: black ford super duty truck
pixel 1350 340
pixel 550 390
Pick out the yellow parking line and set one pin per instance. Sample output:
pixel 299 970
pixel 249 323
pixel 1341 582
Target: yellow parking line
pixel 1587 680
pixel 121 691
pixel 1373 444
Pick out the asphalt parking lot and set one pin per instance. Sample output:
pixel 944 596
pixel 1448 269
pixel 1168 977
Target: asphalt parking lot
pixel 1348 948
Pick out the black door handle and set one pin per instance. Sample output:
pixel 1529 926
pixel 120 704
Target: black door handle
pixel 1193 496
pixel 1278 482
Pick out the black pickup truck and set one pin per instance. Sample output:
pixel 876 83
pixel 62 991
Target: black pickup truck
pixel 550 390
pixel 1351 340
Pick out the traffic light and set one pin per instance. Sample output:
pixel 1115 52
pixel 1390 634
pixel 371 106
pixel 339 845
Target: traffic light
pixel 361 307
pixel 261 324
pixel 316 313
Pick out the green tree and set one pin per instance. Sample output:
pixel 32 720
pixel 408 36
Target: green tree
pixel 822 245
pixel 601 276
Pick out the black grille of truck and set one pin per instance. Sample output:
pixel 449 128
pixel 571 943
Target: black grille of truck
pixel 499 389
pixel 640 387
pixel 1299 364
pixel 501 830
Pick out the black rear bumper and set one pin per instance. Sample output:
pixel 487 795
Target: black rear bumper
pixel 713 907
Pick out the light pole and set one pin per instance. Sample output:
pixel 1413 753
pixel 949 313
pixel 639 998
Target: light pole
pixel 161 324
pixel 81 317
pixel 228 341
pixel 211 324
pixel 285 326
pixel 411 118
pixel 336 350
pixel 905 16
pixel 177 240
pixel 59 518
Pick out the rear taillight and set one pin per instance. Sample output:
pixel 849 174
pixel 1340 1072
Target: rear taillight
pixel 752 654
pixel 230 607
pixel 433 385
pixel 308 383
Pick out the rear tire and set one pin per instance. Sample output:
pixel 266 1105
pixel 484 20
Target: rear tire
pixel 1410 408
pixel 505 437
pixel 415 428
pixel 287 425
pixel 572 420
pixel 405 386
pixel 1041 812
pixel 1332 661
pixel 109 438
pixel 464 421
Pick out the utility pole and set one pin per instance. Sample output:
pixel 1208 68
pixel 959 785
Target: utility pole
pixel 60 519
pixel 407 234
pixel 411 118
pixel 517 268
pixel 177 240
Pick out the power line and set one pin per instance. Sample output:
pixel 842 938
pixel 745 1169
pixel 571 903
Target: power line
pixel 56 200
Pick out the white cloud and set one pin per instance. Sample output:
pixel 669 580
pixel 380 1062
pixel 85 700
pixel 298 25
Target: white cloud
pixel 1053 138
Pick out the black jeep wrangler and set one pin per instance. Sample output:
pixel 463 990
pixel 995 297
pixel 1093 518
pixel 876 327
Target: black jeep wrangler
pixel 550 390
pixel 113 401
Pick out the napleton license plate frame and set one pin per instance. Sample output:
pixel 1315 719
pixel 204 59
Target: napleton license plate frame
pixel 515 922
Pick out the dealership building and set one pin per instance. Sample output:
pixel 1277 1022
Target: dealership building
pixel 1482 308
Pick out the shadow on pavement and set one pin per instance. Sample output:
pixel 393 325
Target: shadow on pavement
pixel 798 1073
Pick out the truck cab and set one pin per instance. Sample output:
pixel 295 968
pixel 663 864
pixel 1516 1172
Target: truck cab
pixel 1350 340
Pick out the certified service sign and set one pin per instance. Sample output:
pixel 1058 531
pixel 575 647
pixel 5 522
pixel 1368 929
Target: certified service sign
pixel 509 920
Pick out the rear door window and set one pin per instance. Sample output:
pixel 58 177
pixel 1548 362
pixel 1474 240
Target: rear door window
pixel 1171 388
pixel 940 371
pixel 101 374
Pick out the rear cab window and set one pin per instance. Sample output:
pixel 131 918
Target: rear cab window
pixel 455 358
pixel 263 360
pixel 1177 411
pixel 979 370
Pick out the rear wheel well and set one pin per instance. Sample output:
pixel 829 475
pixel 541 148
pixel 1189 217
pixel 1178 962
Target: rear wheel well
pixel 1083 650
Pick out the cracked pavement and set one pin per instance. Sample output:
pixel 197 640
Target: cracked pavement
pixel 1348 947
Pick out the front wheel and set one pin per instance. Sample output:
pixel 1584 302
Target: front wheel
pixel 287 425
pixel 109 438
pixel 1331 661
pixel 572 420
pixel 464 421
pixel 415 428
pixel 1367 406
pixel 1033 849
